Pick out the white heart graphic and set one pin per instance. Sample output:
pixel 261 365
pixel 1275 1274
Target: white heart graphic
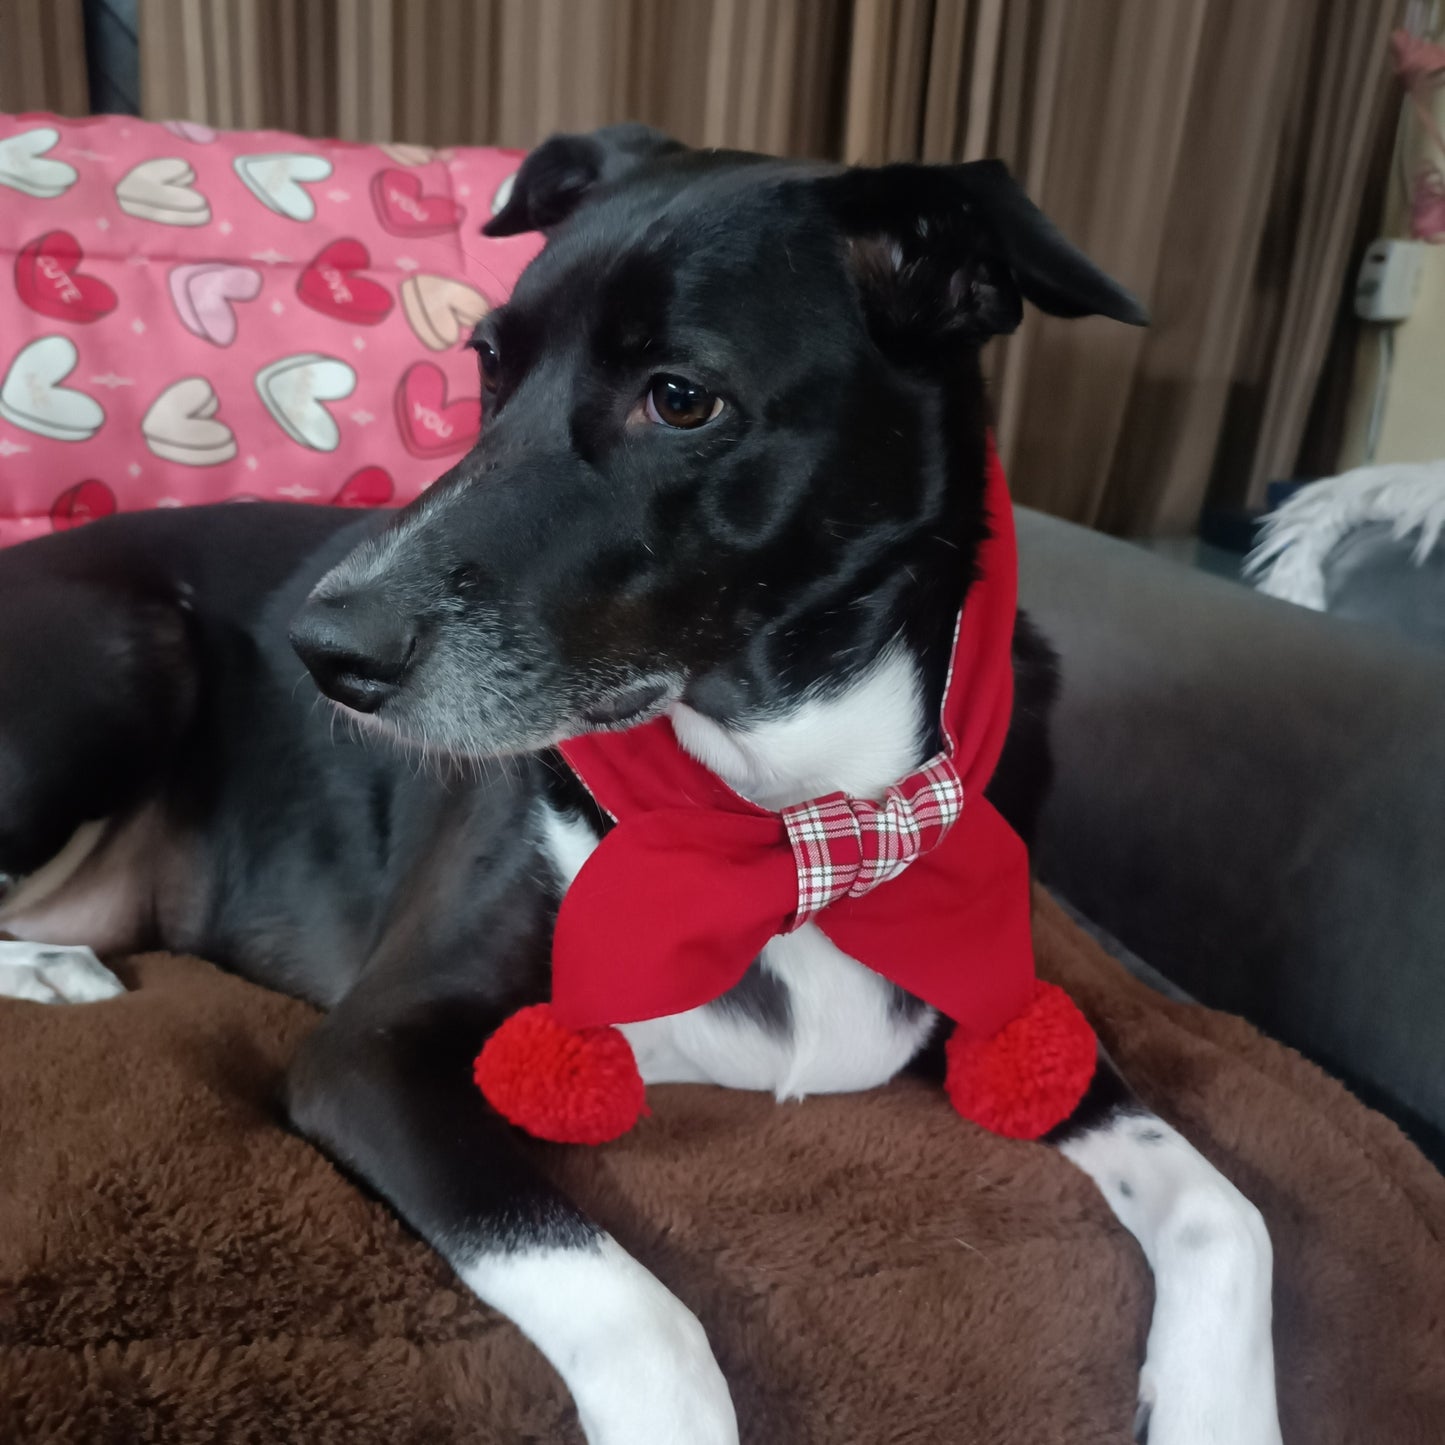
pixel 179 426
pixel 294 389
pixel 276 181
pixel 24 167
pixel 160 190
pixel 32 397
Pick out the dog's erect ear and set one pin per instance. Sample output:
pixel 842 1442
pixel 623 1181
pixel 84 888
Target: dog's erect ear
pixel 954 250
pixel 554 178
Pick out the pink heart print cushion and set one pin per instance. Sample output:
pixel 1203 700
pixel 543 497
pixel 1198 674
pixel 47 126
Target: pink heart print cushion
pixel 190 315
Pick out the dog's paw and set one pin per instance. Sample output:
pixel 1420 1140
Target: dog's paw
pixel 634 1357
pixel 1190 1409
pixel 45 973
pixel 1208 1375
pixel 664 1390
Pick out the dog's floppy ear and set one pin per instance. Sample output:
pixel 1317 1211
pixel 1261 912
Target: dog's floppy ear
pixel 952 251
pixel 556 176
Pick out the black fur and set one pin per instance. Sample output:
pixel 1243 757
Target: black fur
pixel 580 568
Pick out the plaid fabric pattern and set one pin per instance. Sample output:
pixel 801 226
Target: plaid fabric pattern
pixel 844 847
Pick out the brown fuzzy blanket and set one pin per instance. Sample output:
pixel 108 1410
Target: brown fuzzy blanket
pixel 175 1267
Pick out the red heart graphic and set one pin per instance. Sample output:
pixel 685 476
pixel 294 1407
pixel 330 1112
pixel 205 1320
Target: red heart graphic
pixel 48 278
pixel 330 285
pixel 404 210
pixel 370 487
pixel 82 503
pixel 430 425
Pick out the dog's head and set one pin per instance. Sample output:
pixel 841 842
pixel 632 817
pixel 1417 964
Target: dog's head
pixel 734 445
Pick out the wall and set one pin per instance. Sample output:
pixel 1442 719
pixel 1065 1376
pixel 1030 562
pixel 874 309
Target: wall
pixel 1414 425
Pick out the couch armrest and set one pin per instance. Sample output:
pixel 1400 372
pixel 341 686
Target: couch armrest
pixel 1252 797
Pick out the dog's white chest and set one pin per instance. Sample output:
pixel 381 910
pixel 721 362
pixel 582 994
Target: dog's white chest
pixel 841 1030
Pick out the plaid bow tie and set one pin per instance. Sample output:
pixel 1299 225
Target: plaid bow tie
pixel 845 847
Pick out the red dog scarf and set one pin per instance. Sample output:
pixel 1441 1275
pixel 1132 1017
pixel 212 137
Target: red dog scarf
pixel 929 887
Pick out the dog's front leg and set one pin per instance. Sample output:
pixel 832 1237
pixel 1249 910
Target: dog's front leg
pixel 51 973
pixel 1208 1374
pixel 384 1086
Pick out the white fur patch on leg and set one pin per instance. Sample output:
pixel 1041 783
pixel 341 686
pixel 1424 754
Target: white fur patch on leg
pixel 636 1360
pixel 1208 1375
pixel 45 973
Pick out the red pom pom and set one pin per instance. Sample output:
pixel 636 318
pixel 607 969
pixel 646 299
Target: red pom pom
pixel 1030 1075
pixel 572 1086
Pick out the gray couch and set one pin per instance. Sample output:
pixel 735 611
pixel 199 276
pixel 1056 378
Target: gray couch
pixel 1251 797
pixel 1373 576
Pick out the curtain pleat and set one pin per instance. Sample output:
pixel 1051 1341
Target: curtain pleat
pixel 42 57
pixel 1346 104
pixel 1216 195
pixel 761 74
pixel 1212 154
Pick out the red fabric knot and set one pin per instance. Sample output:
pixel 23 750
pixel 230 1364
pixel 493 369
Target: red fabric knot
pixel 845 847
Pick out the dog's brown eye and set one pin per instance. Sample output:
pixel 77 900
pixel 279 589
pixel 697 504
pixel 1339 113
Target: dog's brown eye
pixel 675 402
pixel 489 361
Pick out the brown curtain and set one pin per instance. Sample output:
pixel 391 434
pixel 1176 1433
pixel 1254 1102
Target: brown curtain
pixel 42 57
pixel 1324 210
pixel 1213 154
pixel 763 74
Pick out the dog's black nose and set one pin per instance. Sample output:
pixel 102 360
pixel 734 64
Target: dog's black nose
pixel 356 647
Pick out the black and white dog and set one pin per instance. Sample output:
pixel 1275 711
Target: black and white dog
pixel 732 472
